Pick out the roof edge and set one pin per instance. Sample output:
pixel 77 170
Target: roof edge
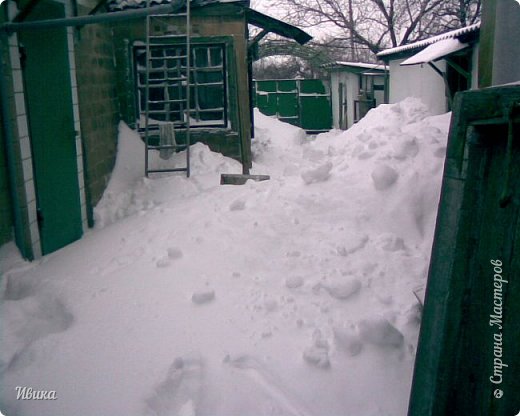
pixel 273 25
pixel 474 28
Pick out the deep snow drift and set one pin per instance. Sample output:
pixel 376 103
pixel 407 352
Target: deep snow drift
pixel 293 296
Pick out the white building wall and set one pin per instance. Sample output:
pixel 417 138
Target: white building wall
pixel 506 57
pixel 419 81
pixel 474 67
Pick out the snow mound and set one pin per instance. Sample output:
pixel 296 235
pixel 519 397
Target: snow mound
pixel 306 284
pixel 384 177
pixel 318 174
pixel 344 289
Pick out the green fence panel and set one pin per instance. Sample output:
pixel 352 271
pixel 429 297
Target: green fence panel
pixel 267 86
pixel 315 112
pixel 288 105
pixel 312 86
pixel 303 103
pixel 287 85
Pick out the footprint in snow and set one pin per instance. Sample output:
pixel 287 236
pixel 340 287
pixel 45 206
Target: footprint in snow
pixel 268 381
pixel 347 340
pixel 318 353
pixel 237 205
pixel 178 394
pixel 203 296
pixel 294 282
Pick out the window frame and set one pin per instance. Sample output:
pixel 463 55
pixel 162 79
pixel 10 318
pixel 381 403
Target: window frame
pixel 223 45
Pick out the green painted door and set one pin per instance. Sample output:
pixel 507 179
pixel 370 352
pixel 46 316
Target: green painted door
pixel 48 99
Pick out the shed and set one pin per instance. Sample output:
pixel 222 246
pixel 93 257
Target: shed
pixel 71 71
pixel 356 87
pixel 434 69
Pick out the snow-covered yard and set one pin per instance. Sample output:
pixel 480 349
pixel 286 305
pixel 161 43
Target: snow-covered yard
pixel 293 296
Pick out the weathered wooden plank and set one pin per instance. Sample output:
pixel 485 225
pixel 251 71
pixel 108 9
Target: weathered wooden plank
pixel 468 356
pixel 240 179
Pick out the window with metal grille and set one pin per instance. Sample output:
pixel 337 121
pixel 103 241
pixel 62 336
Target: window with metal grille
pixel 167 85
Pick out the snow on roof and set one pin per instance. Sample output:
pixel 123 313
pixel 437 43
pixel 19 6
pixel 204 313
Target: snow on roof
pixel 423 43
pixel 133 4
pixel 436 51
pixel 363 65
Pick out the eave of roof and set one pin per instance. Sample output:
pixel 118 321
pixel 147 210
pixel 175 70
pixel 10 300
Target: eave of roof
pixel 253 17
pixel 356 65
pixel 273 25
pixel 426 42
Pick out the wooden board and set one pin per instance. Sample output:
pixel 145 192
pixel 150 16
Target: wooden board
pixel 468 358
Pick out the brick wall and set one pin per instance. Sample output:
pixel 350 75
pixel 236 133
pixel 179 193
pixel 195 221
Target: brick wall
pixel 99 107
pixel 22 165
pixel 6 220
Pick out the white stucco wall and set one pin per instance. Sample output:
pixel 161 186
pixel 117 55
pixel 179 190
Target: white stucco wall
pixel 419 81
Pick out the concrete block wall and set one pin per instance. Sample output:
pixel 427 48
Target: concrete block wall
pixel 98 107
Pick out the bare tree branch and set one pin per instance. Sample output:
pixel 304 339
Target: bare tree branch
pixel 379 24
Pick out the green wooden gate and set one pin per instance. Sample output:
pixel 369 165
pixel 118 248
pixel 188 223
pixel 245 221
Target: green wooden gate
pixel 48 95
pixel 302 102
pixel 468 358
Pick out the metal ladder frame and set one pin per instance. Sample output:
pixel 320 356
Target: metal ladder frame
pixel 148 147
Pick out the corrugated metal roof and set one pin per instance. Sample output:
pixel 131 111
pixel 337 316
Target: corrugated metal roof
pixel 426 42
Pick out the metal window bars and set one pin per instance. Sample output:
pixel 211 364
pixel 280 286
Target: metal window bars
pixel 167 94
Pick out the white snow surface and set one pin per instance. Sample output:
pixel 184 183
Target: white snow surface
pixel 436 51
pixel 293 296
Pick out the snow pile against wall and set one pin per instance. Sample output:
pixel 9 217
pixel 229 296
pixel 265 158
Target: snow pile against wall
pixel 129 192
pixel 293 296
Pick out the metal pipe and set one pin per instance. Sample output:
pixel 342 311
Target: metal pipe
pixel 7 132
pixel 188 80
pixel 172 7
pixel 147 95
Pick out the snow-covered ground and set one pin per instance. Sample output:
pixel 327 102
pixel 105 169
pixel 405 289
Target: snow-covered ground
pixel 293 296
